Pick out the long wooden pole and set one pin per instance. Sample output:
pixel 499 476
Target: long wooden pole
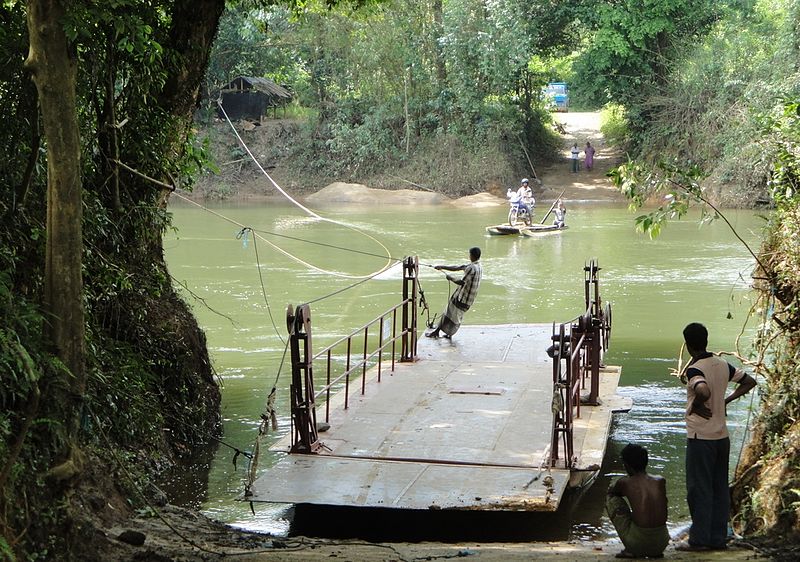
pixel 528 156
pixel 412 183
pixel 553 206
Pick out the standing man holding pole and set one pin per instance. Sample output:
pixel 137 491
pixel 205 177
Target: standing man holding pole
pixel 708 445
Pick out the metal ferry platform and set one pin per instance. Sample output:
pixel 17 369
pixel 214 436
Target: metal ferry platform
pixel 487 421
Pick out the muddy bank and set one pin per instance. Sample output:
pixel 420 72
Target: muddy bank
pixel 180 534
pixel 586 186
pixel 356 193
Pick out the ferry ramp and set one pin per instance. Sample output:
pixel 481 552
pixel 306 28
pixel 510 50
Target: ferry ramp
pixel 469 425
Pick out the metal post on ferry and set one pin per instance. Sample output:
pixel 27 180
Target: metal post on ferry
pixel 591 328
pixel 409 312
pixel 580 343
pixel 303 407
pixel 562 429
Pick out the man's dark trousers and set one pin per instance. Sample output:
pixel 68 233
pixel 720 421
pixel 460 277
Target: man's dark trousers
pixel 707 490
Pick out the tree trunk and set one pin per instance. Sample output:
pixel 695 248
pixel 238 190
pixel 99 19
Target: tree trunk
pixel 438 31
pixel 438 57
pixel 52 63
pixel 194 26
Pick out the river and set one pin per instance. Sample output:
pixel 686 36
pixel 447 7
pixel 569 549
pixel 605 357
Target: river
pixel 689 273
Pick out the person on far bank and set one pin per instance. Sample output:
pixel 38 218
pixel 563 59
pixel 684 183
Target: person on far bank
pixel 463 297
pixel 707 444
pixel 589 156
pixel 575 152
pixel 641 521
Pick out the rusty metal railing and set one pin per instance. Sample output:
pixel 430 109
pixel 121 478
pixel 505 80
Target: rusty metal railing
pixel 367 356
pixel 577 352
pixel 355 354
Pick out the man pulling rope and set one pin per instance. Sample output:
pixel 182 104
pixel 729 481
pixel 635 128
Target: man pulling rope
pixel 463 297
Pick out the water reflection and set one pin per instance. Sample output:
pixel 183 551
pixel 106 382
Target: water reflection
pixel 655 287
pixel 187 482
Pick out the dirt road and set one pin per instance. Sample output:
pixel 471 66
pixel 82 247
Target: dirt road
pixel 586 185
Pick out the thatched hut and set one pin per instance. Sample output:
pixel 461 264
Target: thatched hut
pixel 249 97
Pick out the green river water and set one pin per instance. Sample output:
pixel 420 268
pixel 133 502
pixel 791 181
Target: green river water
pixel 690 273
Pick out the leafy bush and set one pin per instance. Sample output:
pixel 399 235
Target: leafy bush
pixel 714 104
pixel 614 124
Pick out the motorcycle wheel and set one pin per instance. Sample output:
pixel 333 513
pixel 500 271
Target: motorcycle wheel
pixel 512 216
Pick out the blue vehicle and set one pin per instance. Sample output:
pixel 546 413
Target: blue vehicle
pixel 557 96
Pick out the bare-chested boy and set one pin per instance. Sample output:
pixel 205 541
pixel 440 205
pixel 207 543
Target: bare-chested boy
pixel 642 526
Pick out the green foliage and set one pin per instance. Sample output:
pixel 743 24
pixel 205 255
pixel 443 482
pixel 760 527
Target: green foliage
pixel 721 96
pixel 782 248
pixel 296 111
pixel 26 369
pixel 23 355
pixel 552 68
pixel 614 124
pixel 5 551
pixel 18 98
pixel 784 181
pixel 678 184
pixel 364 143
pixel 150 382
pixel 631 44
pixel 125 394
pixel 246 46
pixel 383 84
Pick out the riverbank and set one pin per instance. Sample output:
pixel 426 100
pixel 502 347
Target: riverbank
pixel 239 180
pixel 180 534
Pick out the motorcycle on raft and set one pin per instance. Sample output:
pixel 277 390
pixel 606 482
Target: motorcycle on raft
pixel 518 213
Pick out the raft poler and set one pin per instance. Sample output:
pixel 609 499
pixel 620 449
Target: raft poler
pixel 561 214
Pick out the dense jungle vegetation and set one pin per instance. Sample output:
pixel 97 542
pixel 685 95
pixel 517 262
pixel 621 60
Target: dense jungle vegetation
pixel 447 94
pixel 104 373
